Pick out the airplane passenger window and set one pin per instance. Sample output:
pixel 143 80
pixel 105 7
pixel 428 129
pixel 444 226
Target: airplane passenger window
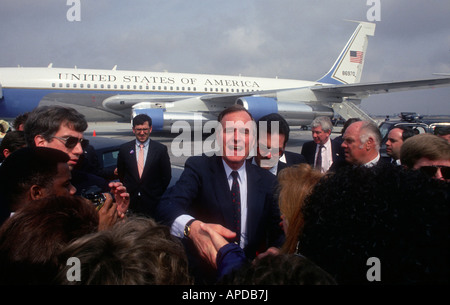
pixel 89 86
pixel 60 85
pixel 81 86
pixel 68 85
pixel 53 85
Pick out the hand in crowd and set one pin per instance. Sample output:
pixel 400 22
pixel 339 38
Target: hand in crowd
pixel 107 214
pixel 122 197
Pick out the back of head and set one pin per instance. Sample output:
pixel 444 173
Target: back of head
pixel 46 121
pixel 31 239
pixel 137 251
pixel 12 141
pixel 283 269
pixel 26 167
pixel 396 215
pixel 295 184
pixel 424 146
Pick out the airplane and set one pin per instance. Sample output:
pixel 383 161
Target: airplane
pixel 170 97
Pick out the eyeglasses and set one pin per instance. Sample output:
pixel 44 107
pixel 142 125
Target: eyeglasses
pixel 70 142
pixel 142 129
pixel 431 170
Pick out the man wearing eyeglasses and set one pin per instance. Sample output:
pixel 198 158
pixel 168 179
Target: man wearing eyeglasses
pixel 143 166
pixel 62 128
pixel 428 153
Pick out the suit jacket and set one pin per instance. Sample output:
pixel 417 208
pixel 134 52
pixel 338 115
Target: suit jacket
pixel 309 151
pixel 145 192
pixel 204 193
pixel 294 158
pixel 336 166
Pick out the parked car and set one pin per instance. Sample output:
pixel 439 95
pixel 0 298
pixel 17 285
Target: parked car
pixel 419 124
pixel 100 156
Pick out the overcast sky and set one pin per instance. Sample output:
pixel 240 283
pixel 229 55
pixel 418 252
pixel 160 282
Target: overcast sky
pixel 295 39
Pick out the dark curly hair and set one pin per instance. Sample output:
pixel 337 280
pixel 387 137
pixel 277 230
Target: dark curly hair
pixel 399 216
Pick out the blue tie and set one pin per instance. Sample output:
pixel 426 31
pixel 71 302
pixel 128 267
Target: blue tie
pixel 236 200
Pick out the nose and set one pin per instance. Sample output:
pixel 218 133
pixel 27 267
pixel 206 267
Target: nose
pixel 78 149
pixel 72 190
pixel 438 174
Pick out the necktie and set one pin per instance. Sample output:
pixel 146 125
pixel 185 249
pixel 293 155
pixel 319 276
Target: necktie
pixel 318 164
pixel 236 200
pixel 141 160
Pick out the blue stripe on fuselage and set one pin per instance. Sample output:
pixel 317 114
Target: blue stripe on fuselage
pixel 17 101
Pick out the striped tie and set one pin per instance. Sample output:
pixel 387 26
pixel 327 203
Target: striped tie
pixel 141 160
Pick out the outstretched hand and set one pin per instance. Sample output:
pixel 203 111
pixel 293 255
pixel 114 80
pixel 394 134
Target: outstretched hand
pixel 209 238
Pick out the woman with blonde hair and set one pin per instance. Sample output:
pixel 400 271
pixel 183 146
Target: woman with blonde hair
pixel 295 184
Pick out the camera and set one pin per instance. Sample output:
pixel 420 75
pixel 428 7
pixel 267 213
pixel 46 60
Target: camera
pixel 95 195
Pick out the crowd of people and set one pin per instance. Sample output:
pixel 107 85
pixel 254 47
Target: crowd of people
pixel 316 216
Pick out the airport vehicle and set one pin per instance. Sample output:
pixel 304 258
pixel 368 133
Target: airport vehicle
pixel 420 124
pixel 115 95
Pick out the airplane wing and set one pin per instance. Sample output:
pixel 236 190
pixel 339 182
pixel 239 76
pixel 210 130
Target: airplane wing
pixel 365 89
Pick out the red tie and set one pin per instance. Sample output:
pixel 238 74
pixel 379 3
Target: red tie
pixel 141 160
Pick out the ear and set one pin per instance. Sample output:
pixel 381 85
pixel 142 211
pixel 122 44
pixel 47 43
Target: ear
pixel 6 152
pixel 40 141
pixel 369 143
pixel 151 128
pixel 36 192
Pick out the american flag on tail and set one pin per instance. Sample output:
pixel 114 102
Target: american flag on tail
pixel 356 57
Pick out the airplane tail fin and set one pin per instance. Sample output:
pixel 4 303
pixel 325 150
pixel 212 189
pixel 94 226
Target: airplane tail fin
pixel 349 65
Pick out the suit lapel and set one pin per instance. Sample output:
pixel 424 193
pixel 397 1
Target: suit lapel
pixel 255 200
pixel 132 161
pixel 221 190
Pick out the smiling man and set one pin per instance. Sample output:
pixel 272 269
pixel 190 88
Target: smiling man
pixel 226 193
pixel 143 166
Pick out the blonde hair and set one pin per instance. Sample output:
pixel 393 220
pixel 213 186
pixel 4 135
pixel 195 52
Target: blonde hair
pixel 295 184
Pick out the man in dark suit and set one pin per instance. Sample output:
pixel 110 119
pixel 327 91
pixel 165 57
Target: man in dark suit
pixel 322 151
pixel 204 198
pixel 273 134
pixel 143 166
pixel 361 146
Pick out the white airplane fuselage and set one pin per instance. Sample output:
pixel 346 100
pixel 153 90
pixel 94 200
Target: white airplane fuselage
pixel 170 97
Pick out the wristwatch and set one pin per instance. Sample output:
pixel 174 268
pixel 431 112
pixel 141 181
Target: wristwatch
pixel 187 227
